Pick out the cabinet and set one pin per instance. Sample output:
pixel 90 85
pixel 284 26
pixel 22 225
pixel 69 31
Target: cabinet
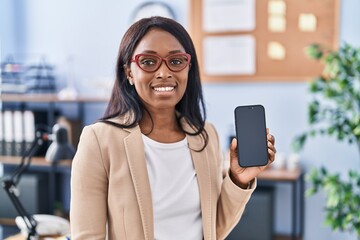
pixel 259 214
pixel 58 176
pixel 295 178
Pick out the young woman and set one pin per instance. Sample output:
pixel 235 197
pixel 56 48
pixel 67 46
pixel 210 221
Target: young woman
pixel 152 167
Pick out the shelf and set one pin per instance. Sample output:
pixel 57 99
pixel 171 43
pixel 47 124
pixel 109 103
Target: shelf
pixel 280 175
pixel 49 98
pixel 35 161
pixel 38 164
pixel 7 221
pixel 57 175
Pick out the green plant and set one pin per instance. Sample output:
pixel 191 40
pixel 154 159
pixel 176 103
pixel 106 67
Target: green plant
pixel 335 111
pixel 342 201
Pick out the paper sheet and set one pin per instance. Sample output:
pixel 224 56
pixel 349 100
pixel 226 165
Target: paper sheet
pixel 277 24
pixel 276 51
pixel 229 55
pixel 307 22
pixel 277 7
pixel 228 15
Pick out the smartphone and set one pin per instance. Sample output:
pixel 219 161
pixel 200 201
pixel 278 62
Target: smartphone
pixel 250 126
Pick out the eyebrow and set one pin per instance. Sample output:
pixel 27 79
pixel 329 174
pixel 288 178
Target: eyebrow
pixel 154 52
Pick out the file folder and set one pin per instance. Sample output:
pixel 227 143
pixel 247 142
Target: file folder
pixel 18 133
pixel 8 133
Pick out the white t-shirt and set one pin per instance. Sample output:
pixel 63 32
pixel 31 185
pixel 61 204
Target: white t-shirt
pixel 174 189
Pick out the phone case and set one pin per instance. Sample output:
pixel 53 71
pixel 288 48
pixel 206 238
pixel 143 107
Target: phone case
pixel 251 135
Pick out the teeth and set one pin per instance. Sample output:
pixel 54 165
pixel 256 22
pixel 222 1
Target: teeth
pixel 164 89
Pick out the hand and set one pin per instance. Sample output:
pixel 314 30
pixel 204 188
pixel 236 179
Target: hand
pixel 243 176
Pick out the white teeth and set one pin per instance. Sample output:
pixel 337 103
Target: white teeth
pixel 164 89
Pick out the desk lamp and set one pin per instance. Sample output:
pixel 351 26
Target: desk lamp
pixel 10 184
pixel 60 148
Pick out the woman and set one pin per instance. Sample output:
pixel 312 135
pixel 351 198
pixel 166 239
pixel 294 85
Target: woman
pixel 152 167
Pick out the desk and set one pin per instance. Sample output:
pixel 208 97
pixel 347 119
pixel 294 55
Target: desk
pixel 296 179
pixel 15 235
pixel 40 165
pixel 21 237
pixel 36 163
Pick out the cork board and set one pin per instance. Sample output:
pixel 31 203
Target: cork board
pixel 297 30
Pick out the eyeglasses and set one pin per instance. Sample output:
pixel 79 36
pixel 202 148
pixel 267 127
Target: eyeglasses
pixel 152 62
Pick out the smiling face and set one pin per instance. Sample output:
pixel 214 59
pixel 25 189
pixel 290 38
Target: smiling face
pixel 163 88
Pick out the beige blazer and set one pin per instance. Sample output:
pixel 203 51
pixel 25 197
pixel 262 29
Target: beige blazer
pixel 110 189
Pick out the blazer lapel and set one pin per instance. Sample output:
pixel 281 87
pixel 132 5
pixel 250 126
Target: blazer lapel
pixel 202 168
pixel 136 159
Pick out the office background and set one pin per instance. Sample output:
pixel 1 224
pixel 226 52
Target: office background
pixel 84 36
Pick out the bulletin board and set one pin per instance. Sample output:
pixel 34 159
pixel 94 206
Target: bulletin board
pixel 261 40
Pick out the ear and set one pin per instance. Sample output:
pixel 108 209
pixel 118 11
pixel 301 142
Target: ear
pixel 128 74
pixel 127 70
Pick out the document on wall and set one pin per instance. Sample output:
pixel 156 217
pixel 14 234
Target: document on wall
pixel 228 15
pixel 229 55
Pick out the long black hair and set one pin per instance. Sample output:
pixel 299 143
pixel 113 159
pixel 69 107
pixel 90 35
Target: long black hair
pixel 124 100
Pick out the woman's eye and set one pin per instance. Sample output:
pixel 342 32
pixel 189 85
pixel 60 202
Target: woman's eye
pixel 176 61
pixel 148 62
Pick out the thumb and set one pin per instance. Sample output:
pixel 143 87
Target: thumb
pixel 233 148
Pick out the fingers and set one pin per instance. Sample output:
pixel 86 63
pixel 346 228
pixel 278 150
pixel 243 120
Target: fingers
pixel 271 146
pixel 271 154
pixel 270 138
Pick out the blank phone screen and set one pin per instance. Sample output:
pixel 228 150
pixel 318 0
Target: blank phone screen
pixel 251 135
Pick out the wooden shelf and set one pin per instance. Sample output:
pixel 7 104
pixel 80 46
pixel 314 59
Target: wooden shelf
pixel 280 175
pixel 35 161
pixel 48 98
pixel 7 221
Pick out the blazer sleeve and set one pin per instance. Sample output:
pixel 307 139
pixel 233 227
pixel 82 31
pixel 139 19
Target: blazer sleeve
pixel 232 199
pixel 231 206
pixel 89 181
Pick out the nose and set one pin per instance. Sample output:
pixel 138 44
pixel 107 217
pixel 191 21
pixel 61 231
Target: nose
pixel 163 71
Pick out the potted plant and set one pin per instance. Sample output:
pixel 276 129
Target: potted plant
pixel 335 111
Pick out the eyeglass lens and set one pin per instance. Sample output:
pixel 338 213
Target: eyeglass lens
pixel 151 62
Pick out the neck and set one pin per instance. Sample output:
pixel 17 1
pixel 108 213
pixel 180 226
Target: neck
pixel 162 126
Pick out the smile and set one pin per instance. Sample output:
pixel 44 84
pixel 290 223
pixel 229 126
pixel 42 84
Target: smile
pixel 164 89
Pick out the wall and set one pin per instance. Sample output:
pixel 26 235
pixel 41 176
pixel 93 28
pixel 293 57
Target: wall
pixel 87 33
pixel 11 35
pixel 6 29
